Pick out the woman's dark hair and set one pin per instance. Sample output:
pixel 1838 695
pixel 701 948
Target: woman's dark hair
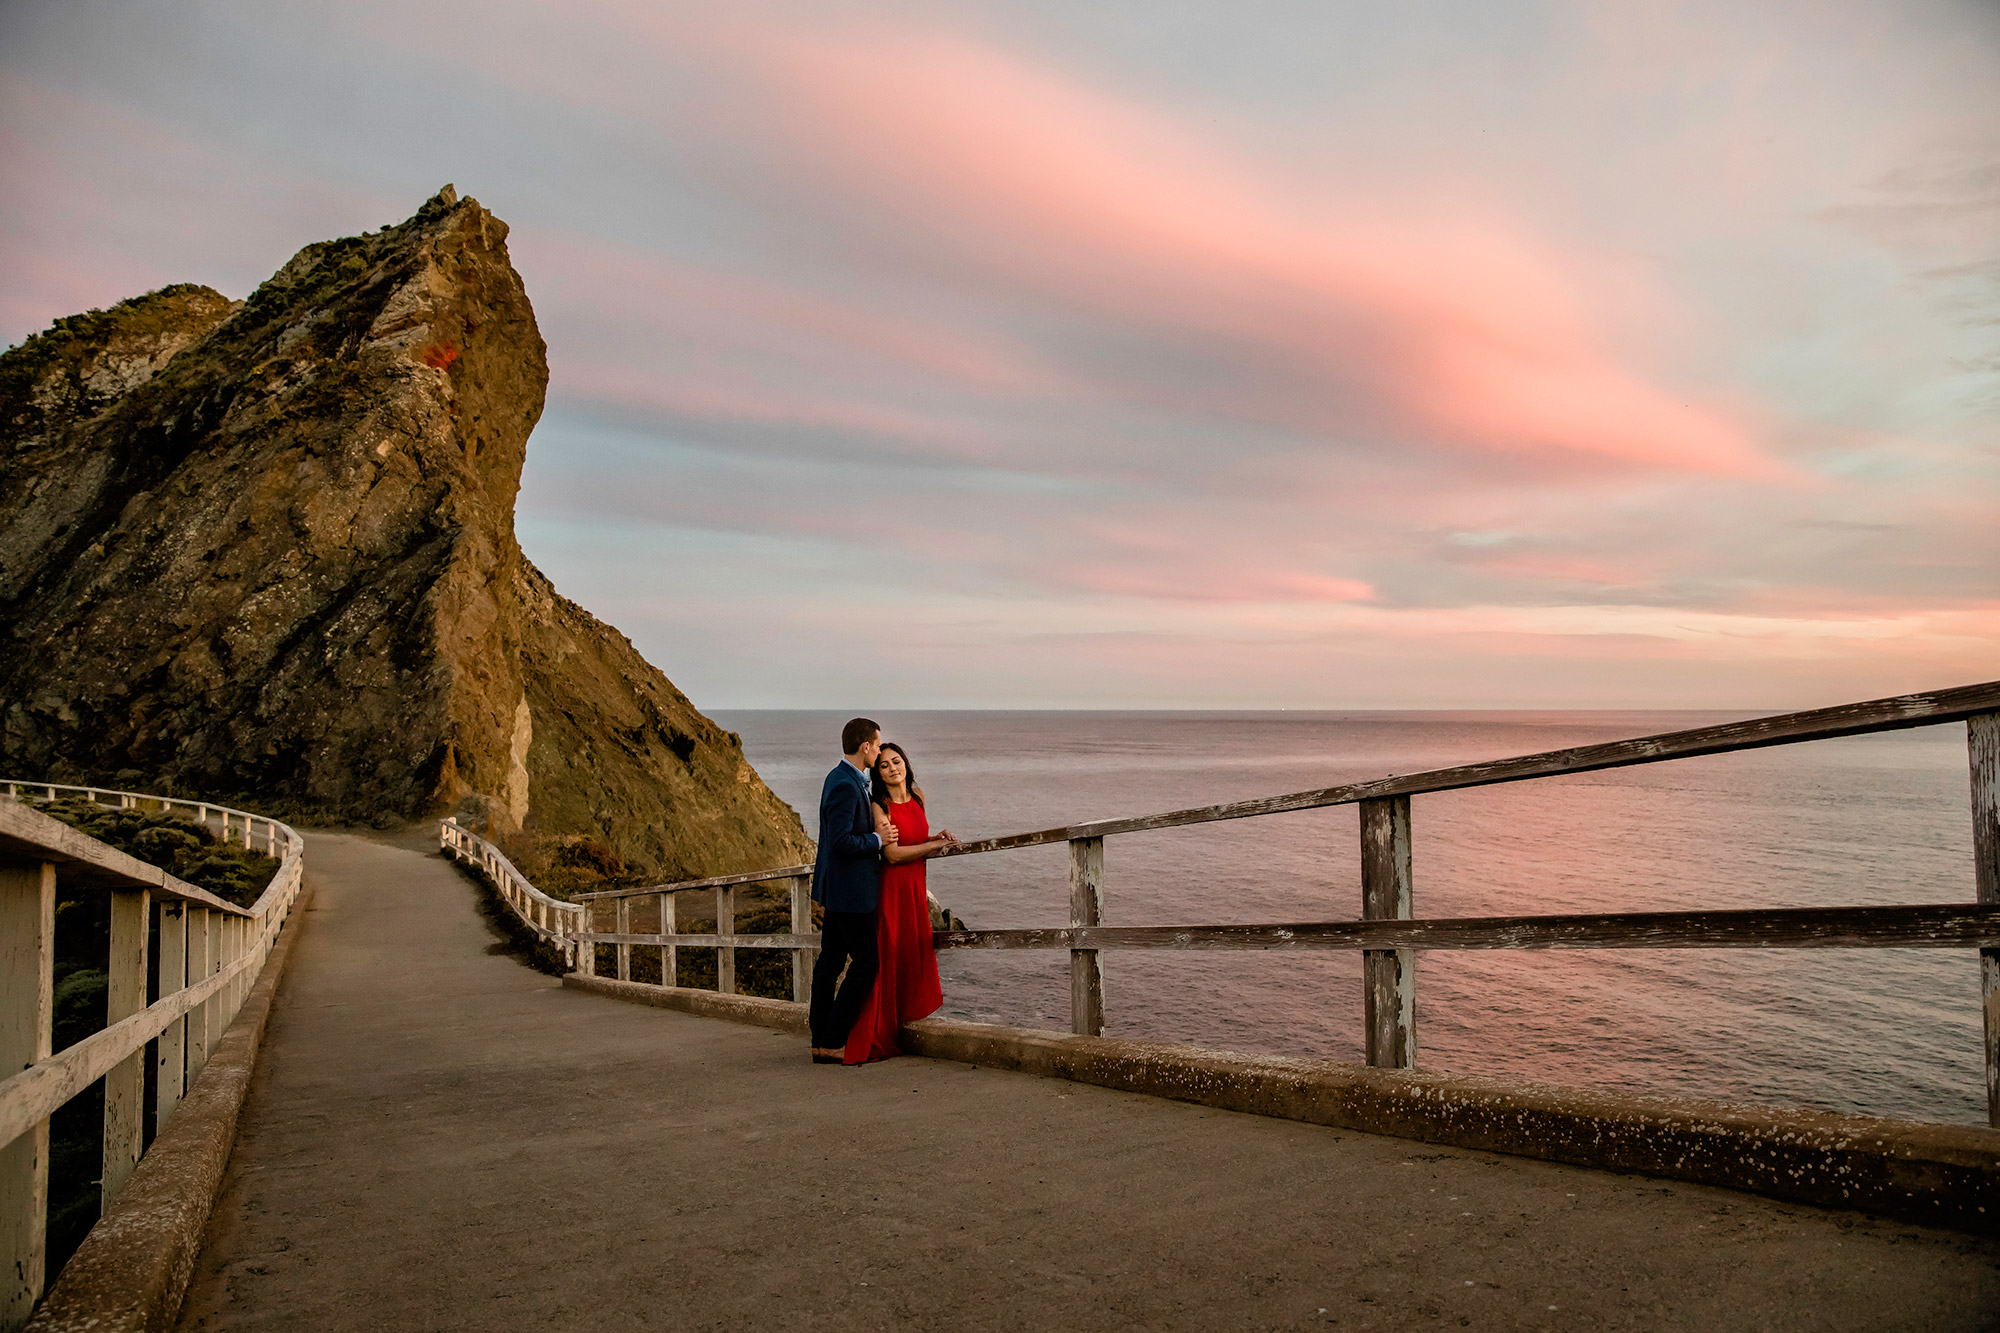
pixel 879 789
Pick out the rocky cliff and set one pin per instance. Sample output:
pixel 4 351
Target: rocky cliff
pixel 265 550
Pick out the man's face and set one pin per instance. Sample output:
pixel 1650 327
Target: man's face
pixel 869 749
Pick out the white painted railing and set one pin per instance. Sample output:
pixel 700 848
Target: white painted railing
pixel 209 953
pixel 253 832
pixel 554 922
pixel 572 927
pixel 802 943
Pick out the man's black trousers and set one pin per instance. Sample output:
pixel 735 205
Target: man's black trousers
pixel 846 939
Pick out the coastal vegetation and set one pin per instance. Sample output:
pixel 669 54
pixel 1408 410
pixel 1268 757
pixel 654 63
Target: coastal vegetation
pixel 174 843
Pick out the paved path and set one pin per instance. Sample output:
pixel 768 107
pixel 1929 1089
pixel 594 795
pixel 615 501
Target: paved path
pixel 440 1138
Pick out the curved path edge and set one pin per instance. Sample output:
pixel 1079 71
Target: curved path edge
pixel 132 1271
pixel 1940 1175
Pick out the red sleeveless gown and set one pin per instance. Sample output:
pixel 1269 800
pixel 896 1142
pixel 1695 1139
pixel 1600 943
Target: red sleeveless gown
pixel 906 983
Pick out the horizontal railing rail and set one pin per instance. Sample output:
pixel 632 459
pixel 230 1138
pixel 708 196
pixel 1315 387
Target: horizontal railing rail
pixel 582 937
pixel 1388 933
pixel 254 832
pixel 1879 715
pixel 1942 926
pixel 40 1090
pixel 1896 714
pixel 196 952
pixel 710 940
pixel 695 885
pixel 1935 926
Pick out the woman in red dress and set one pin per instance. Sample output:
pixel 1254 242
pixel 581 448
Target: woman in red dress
pixel 906 982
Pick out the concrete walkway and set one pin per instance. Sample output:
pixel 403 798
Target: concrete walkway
pixel 440 1138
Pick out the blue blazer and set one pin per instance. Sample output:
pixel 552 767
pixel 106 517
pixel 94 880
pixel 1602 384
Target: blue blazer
pixel 847 874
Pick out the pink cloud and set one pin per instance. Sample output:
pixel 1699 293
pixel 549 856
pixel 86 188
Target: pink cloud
pixel 1452 323
pixel 1172 553
pixel 106 203
pixel 607 282
pixel 46 281
pixel 1469 331
pixel 745 404
pixel 1233 584
pixel 1563 568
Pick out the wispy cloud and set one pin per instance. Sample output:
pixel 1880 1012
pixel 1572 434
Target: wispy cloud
pixel 1320 314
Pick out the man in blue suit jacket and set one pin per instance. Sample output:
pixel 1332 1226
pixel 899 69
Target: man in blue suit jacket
pixel 847 882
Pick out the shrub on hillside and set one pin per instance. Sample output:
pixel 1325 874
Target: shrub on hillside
pixel 565 866
pixel 172 842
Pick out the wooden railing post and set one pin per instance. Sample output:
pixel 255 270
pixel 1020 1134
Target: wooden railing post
pixel 125 995
pixel 221 933
pixel 624 927
pixel 211 1013
pixel 170 1070
pixel 1086 907
pixel 212 1021
pixel 802 924
pixel 200 967
pixel 1388 976
pixel 670 967
pixel 232 948
pixel 27 1019
pixel 1982 736
pixel 725 925
pixel 247 934
pixel 239 944
pixel 586 950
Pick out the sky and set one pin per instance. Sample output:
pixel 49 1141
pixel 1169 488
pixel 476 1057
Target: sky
pixel 1148 355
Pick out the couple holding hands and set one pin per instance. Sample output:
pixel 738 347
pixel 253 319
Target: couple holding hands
pixel 874 838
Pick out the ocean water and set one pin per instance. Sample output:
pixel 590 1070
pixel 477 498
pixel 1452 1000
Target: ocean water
pixel 1867 820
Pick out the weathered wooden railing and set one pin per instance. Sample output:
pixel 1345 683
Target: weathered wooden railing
pixel 1389 934
pixel 208 954
pixel 554 922
pixel 571 926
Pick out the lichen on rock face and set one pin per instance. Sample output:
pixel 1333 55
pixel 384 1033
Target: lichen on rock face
pixel 265 549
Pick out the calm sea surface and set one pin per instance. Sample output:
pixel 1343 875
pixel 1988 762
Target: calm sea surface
pixel 1877 819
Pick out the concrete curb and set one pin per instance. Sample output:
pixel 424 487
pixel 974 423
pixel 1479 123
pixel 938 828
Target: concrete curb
pixel 1942 1175
pixel 780 1014
pixel 132 1270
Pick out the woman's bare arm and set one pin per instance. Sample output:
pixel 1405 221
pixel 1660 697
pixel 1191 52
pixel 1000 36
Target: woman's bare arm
pixel 913 851
pixel 921 851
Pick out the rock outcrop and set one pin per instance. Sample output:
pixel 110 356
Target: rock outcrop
pixel 265 550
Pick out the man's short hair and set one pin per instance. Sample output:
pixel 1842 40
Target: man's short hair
pixel 858 733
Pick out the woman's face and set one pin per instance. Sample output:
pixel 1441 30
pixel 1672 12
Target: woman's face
pixel 891 767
